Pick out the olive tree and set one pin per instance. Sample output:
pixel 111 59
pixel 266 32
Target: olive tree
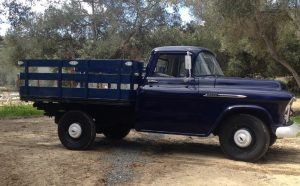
pixel 266 29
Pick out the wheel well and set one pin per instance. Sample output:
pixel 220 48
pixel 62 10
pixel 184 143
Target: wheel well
pixel 257 113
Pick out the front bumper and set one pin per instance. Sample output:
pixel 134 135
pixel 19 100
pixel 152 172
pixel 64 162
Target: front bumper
pixel 287 131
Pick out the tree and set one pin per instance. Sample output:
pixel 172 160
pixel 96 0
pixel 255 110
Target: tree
pixel 112 29
pixel 263 28
pixel 7 71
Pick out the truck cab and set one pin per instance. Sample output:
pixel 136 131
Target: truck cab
pixel 169 99
pixel 182 91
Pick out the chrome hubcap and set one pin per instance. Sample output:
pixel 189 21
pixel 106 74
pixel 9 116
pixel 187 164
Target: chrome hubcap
pixel 75 130
pixel 242 138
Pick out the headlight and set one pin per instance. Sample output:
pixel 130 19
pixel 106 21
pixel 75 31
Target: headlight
pixel 288 111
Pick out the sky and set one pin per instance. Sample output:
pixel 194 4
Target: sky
pixel 41 5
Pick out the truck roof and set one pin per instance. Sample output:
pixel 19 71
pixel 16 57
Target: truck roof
pixel 193 49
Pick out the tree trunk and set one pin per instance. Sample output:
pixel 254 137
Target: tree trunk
pixel 283 62
pixel 274 54
pixel 94 26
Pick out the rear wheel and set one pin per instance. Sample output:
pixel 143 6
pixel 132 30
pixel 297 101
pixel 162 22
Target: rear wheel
pixel 76 130
pixel 245 138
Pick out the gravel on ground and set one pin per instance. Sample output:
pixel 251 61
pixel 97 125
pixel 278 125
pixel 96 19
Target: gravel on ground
pixel 31 154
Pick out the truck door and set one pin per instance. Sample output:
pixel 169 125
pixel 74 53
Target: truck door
pixel 167 101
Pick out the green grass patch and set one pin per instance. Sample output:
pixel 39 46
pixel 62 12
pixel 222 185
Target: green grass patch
pixel 16 111
pixel 297 119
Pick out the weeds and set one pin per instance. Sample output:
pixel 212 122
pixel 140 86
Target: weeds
pixel 13 111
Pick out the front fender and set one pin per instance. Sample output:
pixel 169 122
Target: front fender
pixel 254 110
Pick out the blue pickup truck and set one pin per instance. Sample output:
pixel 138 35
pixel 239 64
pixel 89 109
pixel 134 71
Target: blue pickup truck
pixel 181 91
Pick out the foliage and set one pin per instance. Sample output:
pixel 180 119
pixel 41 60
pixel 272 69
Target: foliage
pixel 268 31
pixel 251 38
pixel 112 29
pixel 12 111
pixel 7 71
pixel 297 119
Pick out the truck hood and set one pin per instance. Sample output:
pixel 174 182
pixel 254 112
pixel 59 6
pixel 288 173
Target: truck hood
pixel 247 83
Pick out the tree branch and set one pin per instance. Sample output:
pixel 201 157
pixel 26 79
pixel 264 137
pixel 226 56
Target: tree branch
pixel 273 52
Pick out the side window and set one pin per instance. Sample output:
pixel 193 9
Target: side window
pixel 162 68
pixel 170 65
pixel 206 64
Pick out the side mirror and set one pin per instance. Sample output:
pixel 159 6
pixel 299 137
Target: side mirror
pixel 188 63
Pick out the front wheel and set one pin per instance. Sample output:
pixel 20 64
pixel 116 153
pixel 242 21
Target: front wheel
pixel 245 138
pixel 76 130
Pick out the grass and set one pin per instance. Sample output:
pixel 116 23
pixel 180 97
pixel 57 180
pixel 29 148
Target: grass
pixel 297 119
pixel 16 111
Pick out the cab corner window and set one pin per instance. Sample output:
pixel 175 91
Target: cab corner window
pixel 170 65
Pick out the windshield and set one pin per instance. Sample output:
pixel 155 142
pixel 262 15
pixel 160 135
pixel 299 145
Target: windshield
pixel 206 64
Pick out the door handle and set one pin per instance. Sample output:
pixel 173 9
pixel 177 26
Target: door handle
pixel 152 81
pixel 188 79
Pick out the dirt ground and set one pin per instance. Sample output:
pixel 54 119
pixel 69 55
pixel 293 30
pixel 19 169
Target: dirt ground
pixel 31 154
